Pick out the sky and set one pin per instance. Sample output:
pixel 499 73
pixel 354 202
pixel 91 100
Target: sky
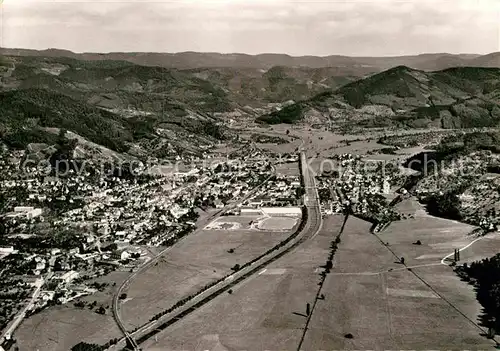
pixel 326 27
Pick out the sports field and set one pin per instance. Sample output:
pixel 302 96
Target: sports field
pixel 277 223
pixel 253 223
pixel 232 223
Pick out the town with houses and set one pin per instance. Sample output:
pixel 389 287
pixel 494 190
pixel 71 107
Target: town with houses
pixel 363 188
pixel 57 233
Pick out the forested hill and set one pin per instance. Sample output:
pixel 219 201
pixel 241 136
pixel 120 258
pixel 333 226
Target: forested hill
pixel 112 103
pixel 461 97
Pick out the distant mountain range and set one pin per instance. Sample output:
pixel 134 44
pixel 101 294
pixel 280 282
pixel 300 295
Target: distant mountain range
pixel 188 60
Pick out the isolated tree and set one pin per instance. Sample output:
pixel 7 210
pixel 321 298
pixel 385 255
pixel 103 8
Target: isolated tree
pixel 300 191
pixel 308 308
pixel 62 134
pixel 101 310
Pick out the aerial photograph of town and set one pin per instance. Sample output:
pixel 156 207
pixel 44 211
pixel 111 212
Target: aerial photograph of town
pixel 249 175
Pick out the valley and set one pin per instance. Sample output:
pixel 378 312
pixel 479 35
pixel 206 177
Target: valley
pixel 264 204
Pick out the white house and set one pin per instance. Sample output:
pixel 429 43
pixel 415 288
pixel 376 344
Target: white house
pixel 54 252
pixel 178 211
pixel 28 212
pixel 219 204
pixel 246 211
pixel 125 255
pixel 69 276
pixel 6 250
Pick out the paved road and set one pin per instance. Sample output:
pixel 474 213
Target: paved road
pixel 310 228
pixel 116 311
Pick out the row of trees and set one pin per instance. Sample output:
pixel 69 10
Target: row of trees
pixel 84 346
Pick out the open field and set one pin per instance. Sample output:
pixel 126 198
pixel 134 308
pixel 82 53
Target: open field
pixel 277 223
pixel 398 156
pixel 439 237
pixel 323 143
pixel 232 223
pixel 410 206
pixel 488 246
pixel 288 169
pixel 61 327
pixel 384 305
pixel 278 149
pixel 265 312
pixel 189 265
pixel 224 149
pixel 387 311
pixel 359 251
pixel 254 223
